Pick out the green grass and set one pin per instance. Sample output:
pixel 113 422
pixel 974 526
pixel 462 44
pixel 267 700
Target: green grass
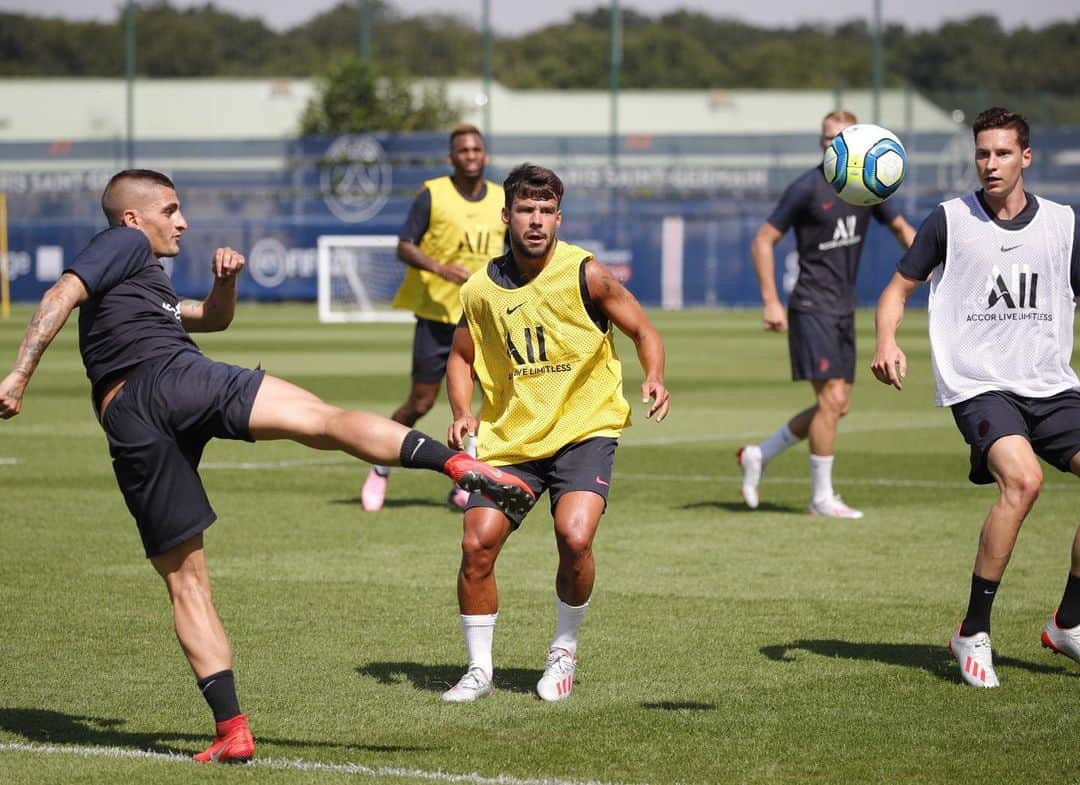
pixel 721 645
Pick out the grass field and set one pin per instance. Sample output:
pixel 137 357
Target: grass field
pixel 722 645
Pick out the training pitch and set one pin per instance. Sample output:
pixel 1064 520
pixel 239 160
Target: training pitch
pixel 722 645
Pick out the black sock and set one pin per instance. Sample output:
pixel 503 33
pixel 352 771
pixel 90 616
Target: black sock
pixel 219 689
pixel 1068 614
pixel 979 604
pixel 420 451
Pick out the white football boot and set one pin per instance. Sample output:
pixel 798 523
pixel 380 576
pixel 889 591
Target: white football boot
pixel 473 685
pixel 558 680
pixel 833 508
pixel 975 657
pixel 749 458
pixel 1062 641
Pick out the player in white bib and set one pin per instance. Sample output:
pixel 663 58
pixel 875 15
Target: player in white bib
pixel 1004 272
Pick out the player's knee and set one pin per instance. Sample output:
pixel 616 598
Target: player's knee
pixel 1022 488
pixel 187 587
pixel 835 400
pixel 576 542
pixel 478 555
pixel 421 404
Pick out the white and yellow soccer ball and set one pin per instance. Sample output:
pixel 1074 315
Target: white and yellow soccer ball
pixel 865 164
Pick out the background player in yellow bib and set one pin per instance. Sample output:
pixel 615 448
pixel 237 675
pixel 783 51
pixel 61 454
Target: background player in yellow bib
pixel 453 228
pixel 537 334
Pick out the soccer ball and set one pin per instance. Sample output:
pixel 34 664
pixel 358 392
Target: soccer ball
pixel 865 164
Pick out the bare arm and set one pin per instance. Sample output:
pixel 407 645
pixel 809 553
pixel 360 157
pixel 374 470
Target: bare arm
pixel 411 254
pixel 459 387
pixel 902 231
pixel 52 312
pixel 762 252
pixel 890 362
pixel 626 313
pixel 216 312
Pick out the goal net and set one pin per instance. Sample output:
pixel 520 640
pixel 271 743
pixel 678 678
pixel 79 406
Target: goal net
pixel 357 277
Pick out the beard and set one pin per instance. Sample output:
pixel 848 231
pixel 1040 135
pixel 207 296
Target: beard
pixel 521 250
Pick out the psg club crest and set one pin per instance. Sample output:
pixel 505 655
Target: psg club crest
pixel 355 178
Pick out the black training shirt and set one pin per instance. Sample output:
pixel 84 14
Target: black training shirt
pixel 132 313
pixel 829 236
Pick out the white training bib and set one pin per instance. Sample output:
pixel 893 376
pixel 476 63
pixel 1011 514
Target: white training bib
pixel 1001 306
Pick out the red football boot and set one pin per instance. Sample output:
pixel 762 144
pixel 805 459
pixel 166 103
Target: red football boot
pixel 509 492
pixel 233 743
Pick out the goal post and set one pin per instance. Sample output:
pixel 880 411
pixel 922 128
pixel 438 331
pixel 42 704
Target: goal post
pixel 358 276
pixel 5 281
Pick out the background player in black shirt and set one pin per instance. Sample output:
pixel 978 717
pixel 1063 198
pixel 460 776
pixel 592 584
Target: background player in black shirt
pixel 160 400
pixel 829 234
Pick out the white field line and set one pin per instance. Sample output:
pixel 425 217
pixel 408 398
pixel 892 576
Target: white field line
pixel 8 461
pixel 290 765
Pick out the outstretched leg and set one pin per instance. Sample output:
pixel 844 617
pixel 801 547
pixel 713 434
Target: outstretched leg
pixel 283 410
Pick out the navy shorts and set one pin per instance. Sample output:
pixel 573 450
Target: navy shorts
pixel 430 350
pixel 157 427
pixel 579 466
pixel 1052 425
pixel 822 346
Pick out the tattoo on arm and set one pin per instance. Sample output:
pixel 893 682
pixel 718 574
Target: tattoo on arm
pixel 190 309
pixel 50 316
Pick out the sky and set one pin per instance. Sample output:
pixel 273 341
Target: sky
pixel 513 17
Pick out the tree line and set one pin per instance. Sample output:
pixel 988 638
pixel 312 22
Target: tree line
pixel 965 64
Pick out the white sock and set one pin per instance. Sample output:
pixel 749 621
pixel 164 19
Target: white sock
pixel 821 476
pixel 479 633
pixel 382 471
pixel 568 623
pixel 777 442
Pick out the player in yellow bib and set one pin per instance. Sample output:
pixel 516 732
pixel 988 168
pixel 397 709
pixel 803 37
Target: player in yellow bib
pixel 453 228
pixel 537 336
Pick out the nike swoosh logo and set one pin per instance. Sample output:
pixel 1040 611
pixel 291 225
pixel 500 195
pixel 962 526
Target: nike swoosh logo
pixel 216 755
pixel 511 310
pixel 1007 248
pixel 601 482
pixel 416 449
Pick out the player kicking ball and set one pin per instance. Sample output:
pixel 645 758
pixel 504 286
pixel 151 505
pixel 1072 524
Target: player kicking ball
pixel 160 400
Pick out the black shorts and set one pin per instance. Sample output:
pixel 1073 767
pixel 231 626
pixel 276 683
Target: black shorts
pixel 430 350
pixel 157 427
pixel 822 346
pixel 579 466
pixel 1052 425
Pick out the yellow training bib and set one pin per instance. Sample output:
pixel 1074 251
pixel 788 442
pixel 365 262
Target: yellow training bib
pixel 549 375
pixel 459 232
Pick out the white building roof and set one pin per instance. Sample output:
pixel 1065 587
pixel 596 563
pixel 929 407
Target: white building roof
pixel 39 109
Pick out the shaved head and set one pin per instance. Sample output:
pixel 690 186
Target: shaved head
pixel 130 189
